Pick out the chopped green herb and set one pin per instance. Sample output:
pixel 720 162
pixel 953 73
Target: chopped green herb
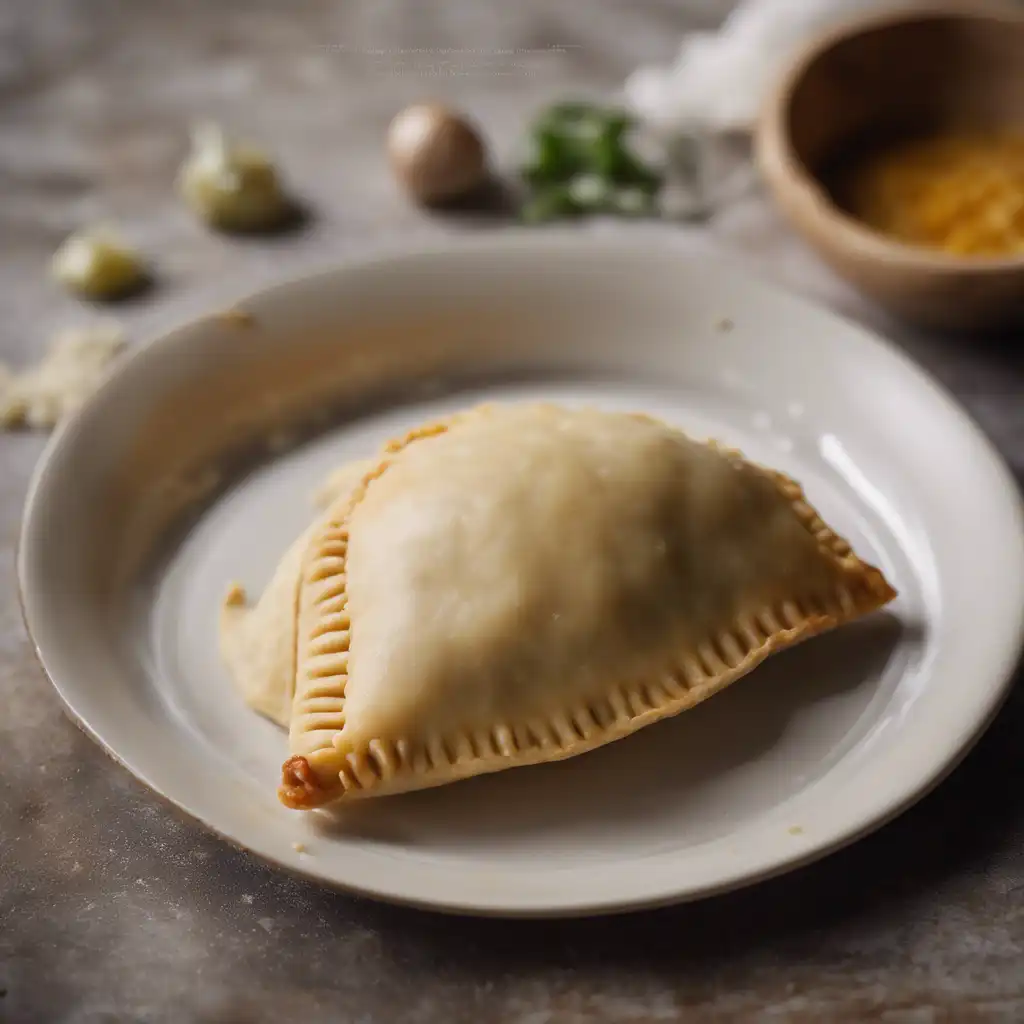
pixel 580 163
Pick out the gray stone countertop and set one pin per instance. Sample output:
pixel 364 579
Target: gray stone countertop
pixel 114 909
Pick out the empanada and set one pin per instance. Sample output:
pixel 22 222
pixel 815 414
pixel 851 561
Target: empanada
pixel 522 584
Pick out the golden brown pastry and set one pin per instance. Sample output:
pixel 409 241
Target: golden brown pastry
pixel 522 584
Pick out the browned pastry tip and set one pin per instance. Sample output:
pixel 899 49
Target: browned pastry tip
pixel 300 789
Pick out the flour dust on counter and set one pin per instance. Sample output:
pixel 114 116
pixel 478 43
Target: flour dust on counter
pixel 42 395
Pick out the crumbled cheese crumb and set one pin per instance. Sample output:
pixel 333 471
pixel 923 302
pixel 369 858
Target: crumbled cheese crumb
pixel 235 316
pixel 796 830
pixel 41 396
pixel 235 596
pixel 299 847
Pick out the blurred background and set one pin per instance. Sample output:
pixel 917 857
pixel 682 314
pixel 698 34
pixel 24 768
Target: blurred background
pixel 99 98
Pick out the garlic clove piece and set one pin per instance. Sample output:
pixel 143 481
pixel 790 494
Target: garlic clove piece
pixel 96 264
pixel 232 186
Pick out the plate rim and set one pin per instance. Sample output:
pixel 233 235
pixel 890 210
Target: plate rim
pixel 925 780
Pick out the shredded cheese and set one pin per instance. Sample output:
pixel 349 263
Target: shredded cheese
pixel 963 194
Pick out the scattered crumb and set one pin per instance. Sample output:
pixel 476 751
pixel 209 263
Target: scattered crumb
pixel 235 597
pixel 266 923
pixel 299 847
pixel 796 830
pixel 235 317
pixel 724 324
pixel 246 898
pixel 44 394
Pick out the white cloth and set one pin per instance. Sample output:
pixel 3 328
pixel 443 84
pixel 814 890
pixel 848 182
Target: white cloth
pixel 719 78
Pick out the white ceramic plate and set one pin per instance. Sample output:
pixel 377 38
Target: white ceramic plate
pixel 814 749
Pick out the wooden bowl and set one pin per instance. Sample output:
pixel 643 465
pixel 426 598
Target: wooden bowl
pixel 894 76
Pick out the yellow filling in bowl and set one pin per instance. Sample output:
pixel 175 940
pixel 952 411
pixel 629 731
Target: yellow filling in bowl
pixel 963 193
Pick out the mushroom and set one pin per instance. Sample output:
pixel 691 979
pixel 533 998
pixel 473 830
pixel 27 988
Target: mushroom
pixel 435 153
